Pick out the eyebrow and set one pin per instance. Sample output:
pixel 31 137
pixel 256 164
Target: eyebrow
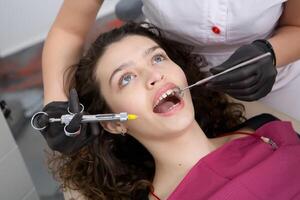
pixel 127 64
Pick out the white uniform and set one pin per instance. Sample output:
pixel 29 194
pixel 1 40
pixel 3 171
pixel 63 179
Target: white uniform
pixel 218 27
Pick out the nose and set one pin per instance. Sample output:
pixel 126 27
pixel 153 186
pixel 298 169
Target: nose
pixel 154 78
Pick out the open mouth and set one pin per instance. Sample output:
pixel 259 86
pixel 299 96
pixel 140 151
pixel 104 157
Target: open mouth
pixel 167 101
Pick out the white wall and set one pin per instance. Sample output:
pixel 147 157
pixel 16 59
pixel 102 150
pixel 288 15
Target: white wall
pixel 24 23
pixel 15 181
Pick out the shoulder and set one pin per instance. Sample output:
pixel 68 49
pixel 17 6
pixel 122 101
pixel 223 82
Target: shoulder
pixel 258 121
pixel 256 108
pixel 254 123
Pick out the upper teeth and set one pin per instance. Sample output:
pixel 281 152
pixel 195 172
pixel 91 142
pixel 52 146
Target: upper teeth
pixel 165 95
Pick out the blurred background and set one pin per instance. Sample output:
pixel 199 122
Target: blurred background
pixel 24 26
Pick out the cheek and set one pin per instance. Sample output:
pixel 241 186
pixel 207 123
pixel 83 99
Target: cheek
pixel 182 74
pixel 135 103
pixel 179 75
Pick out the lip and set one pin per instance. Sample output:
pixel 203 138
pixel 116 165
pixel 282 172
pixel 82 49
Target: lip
pixel 162 90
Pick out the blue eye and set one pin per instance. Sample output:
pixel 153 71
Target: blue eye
pixel 125 79
pixel 158 58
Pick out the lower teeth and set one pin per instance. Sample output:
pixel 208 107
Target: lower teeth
pixel 172 107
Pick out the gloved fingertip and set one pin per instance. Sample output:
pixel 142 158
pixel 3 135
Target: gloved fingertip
pixel 73 91
pixel 72 128
pixel 74 104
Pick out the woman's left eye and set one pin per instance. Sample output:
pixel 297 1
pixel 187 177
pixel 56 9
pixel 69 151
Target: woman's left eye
pixel 158 58
pixel 125 79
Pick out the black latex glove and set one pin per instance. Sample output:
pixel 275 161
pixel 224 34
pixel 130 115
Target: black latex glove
pixel 54 132
pixel 250 82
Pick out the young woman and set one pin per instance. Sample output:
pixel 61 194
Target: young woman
pixel 165 153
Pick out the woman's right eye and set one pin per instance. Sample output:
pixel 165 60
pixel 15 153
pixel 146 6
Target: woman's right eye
pixel 125 79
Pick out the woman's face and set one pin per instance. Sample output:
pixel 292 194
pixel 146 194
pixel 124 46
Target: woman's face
pixel 136 76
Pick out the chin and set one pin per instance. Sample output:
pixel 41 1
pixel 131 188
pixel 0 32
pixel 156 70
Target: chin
pixel 180 122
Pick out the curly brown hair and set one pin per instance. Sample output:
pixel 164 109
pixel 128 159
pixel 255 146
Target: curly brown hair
pixel 117 167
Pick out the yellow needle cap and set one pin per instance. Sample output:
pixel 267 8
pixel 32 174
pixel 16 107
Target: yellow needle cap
pixel 132 116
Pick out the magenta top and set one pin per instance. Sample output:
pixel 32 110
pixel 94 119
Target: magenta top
pixel 247 168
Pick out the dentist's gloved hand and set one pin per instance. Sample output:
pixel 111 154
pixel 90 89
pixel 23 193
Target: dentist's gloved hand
pixel 54 133
pixel 250 82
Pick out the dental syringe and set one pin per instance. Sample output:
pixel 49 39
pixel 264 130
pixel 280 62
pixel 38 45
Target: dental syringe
pixel 66 119
pixel 123 116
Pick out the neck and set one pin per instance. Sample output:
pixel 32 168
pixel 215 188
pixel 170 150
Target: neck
pixel 175 157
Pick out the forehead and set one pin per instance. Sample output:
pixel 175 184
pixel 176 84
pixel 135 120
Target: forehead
pixel 127 49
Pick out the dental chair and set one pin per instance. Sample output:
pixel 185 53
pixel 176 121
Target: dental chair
pixel 129 10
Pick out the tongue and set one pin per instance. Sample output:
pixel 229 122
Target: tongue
pixel 164 107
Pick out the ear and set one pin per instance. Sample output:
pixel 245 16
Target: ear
pixel 114 127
